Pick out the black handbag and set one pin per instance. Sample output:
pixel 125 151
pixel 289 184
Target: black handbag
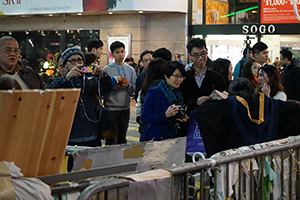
pixel 107 124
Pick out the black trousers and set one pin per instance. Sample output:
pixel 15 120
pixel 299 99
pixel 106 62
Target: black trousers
pixel 121 119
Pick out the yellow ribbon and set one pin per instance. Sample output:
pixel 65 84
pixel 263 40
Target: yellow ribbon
pixel 261 108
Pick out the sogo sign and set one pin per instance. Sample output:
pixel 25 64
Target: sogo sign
pixel 254 29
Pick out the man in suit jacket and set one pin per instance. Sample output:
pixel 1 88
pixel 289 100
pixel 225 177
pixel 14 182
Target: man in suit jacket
pixel 200 81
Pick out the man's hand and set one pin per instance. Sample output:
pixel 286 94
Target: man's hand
pixel 73 73
pixel 125 84
pixel 98 70
pixel 202 99
pixel 119 78
pixel 120 82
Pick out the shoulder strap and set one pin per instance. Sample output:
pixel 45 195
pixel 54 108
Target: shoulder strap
pixel 241 67
pixel 96 97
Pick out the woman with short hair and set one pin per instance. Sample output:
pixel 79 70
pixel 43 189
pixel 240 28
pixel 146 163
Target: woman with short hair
pixel 161 112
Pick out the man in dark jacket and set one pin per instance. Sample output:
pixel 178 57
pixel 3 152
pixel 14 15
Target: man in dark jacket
pixel 291 76
pixel 9 64
pixel 95 46
pixel 199 82
pixel 86 127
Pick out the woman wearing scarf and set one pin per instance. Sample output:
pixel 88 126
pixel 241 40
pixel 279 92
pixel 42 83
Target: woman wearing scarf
pixel 161 111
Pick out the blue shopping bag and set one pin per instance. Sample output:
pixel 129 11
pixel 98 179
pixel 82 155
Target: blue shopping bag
pixel 194 142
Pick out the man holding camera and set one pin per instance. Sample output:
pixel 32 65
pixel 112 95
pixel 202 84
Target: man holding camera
pixel 86 127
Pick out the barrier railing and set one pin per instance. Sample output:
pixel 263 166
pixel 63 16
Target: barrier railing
pixel 249 173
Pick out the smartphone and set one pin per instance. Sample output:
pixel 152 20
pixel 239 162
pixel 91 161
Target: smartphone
pixel 87 69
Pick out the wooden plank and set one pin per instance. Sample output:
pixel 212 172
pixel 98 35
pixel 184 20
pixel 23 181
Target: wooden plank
pixel 58 125
pixel 34 128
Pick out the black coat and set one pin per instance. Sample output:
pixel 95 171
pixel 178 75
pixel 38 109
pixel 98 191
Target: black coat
pixel 220 131
pixel 139 82
pixel 291 82
pixel 191 92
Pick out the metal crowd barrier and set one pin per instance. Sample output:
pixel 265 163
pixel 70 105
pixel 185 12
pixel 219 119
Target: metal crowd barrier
pixel 255 185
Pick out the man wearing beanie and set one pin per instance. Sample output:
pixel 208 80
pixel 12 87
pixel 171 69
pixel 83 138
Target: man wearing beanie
pixel 86 127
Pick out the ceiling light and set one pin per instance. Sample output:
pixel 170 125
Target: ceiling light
pixel 79 13
pixel 50 15
pixel 141 11
pixel 110 13
pixel 23 16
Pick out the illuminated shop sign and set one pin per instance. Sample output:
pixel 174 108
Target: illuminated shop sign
pixel 278 11
pixel 23 7
pixel 255 29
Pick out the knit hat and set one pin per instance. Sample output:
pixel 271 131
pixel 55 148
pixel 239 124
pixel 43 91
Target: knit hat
pixel 69 52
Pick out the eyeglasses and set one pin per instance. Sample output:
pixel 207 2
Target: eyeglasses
pixel 78 60
pixel 197 55
pixel 256 66
pixel 8 50
pixel 178 77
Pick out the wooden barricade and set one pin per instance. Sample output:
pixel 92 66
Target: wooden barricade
pixel 34 128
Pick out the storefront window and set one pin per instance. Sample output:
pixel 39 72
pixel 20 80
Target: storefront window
pixel 226 12
pixel 39 49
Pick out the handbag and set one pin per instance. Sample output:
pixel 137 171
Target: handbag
pixel 108 127
pixel 194 142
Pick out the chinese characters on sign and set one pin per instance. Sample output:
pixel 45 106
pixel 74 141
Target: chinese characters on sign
pixel 278 11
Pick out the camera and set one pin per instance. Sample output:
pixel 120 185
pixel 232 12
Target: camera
pixel 181 111
pixel 87 69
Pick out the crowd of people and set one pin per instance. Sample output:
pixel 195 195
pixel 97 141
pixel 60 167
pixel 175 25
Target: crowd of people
pixel 173 100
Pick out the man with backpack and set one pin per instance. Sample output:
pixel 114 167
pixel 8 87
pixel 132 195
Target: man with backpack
pixel 238 70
